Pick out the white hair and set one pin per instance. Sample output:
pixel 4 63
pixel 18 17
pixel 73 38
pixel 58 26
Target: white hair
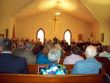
pixel 54 55
pixel 91 51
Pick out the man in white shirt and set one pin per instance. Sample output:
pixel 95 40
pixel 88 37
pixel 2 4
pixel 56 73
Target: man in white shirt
pixel 74 57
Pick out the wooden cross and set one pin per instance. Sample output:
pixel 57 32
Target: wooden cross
pixel 55 20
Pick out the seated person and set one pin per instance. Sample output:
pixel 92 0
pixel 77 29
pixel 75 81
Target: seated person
pixel 74 57
pixel 41 56
pixel 26 53
pixel 105 53
pixel 88 66
pixel 10 63
pixel 54 68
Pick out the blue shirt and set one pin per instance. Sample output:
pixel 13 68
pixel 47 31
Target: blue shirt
pixel 88 66
pixel 42 59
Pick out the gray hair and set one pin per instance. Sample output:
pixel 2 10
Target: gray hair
pixel 28 45
pixel 91 51
pixel 54 55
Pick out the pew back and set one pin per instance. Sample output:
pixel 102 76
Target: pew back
pixel 105 62
pixel 34 78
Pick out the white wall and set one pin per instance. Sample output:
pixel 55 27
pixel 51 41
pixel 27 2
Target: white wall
pixel 27 27
pixel 6 22
pixel 105 28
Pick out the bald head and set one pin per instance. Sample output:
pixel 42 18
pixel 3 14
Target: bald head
pixel 91 51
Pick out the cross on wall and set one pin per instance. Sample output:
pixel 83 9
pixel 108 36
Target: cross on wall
pixel 55 19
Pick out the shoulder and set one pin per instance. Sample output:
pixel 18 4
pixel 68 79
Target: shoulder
pixel 17 58
pixel 81 62
pixel 67 57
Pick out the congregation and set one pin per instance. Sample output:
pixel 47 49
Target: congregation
pixel 15 55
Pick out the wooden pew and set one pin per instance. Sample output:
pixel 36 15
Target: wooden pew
pixel 105 62
pixel 33 68
pixel 34 78
pixel 102 59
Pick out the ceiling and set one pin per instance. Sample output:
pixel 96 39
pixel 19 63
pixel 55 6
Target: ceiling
pixel 87 10
pixel 100 8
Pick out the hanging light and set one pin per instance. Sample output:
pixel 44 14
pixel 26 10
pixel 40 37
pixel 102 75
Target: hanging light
pixel 57 11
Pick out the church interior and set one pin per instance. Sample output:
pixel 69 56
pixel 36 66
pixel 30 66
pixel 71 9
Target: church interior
pixel 81 17
pixel 31 30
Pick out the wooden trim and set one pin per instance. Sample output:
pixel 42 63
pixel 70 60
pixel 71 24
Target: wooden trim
pixel 2 35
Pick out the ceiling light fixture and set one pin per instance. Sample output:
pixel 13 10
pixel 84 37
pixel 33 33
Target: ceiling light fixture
pixel 57 11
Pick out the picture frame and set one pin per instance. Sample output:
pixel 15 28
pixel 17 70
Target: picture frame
pixel 80 37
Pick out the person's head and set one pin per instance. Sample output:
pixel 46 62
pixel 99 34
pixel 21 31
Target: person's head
pixel 73 44
pixel 47 47
pixel 49 43
pixel 45 50
pixel 7 44
pixel 108 49
pixel 54 55
pixel 55 40
pixel 1 44
pixel 38 48
pixel 76 51
pixel 91 51
pixel 57 46
pixel 20 44
pixel 28 45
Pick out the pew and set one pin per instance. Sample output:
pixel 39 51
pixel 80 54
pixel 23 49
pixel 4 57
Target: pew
pixel 105 62
pixel 35 78
pixel 33 68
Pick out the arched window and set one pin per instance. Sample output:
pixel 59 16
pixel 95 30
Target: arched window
pixel 40 35
pixel 67 36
